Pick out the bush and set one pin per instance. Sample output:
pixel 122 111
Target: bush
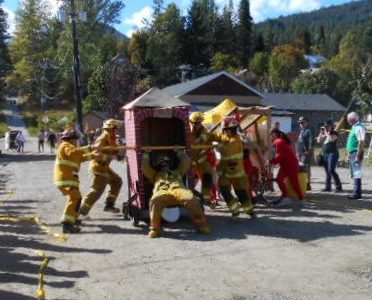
pixel 57 121
pixel 3 125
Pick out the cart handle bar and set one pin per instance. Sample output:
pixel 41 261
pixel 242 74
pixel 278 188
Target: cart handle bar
pixel 146 148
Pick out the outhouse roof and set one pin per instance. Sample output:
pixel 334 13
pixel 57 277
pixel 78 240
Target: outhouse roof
pixel 155 97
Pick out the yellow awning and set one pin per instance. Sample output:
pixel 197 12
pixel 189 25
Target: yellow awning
pixel 215 115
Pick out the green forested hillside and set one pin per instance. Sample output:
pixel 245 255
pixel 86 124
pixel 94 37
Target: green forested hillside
pixel 327 25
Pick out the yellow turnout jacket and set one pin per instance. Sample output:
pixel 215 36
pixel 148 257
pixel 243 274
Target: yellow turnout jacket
pixel 67 165
pixel 166 181
pixel 102 165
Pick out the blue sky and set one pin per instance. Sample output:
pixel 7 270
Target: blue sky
pixel 136 10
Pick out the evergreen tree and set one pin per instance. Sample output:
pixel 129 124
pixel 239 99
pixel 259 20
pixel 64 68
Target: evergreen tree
pixel 164 51
pixel 321 41
pixel 29 46
pixel 259 44
pixel 201 35
pixel 244 34
pixel 225 31
pixel 5 64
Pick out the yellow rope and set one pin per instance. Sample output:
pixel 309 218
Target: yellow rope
pixel 148 148
pixel 60 238
pixel 40 288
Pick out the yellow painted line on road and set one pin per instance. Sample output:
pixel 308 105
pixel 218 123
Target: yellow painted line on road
pixel 40 288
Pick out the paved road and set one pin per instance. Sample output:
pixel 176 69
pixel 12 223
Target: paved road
pixel 323 252
pixel 16 122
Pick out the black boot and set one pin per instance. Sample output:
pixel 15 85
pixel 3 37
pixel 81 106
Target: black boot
pixel 111 208
pixel 70 228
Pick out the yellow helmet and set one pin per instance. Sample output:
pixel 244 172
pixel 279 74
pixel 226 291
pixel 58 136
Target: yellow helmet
pixel 196 116
pixel 112 123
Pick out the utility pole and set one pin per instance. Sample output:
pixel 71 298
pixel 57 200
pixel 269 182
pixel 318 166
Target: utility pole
pixel 76 67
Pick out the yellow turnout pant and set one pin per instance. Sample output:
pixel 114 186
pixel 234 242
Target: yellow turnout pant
pixel 73 197
pixel 179 196
pixel 204 172
pixel 99 183
pixel 240 185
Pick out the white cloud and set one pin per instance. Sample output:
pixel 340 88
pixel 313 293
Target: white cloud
pixel 10 20
pixel 53 5
pixel 261 9
pixel 137 20
pixel 129 32
pixel 138 17
pixel 301 5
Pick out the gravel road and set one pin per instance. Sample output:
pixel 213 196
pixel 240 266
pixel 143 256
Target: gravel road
pixel 323 252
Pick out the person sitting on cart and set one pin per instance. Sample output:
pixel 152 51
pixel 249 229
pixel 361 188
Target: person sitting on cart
pixel 201 165
pixel 66 169
pixel 169 190
pixel 231 168
pixel 101 172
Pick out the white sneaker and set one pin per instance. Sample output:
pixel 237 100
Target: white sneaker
pixel 286 201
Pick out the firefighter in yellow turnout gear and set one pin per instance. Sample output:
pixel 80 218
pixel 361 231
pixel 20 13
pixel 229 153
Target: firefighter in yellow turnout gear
pixel 101 172
pixel 200 165
pixel 169 190
pixel 231 168
pixel 66 169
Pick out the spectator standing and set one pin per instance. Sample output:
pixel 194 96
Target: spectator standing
pixel 52 138
pixel 277 125
pixel 305 147
pixel 328 137
pixel 20 142
pixel 355 148
pixel 41 139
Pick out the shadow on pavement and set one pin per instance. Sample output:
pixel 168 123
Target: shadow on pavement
pixel 16 267
pixel 338 202
pixel 14 296
pixel 25 157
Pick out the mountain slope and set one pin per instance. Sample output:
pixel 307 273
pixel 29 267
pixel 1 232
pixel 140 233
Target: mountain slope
pixel 335 20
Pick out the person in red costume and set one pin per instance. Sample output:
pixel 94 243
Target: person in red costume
pixel 289 167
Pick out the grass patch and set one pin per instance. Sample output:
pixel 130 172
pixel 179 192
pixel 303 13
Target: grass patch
pixel 60 116
pixel 3 125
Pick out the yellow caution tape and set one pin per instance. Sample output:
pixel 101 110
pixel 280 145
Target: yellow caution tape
pixel 40 289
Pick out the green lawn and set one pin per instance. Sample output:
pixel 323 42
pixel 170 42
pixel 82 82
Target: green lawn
pixel 3 125
pixel 33 117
